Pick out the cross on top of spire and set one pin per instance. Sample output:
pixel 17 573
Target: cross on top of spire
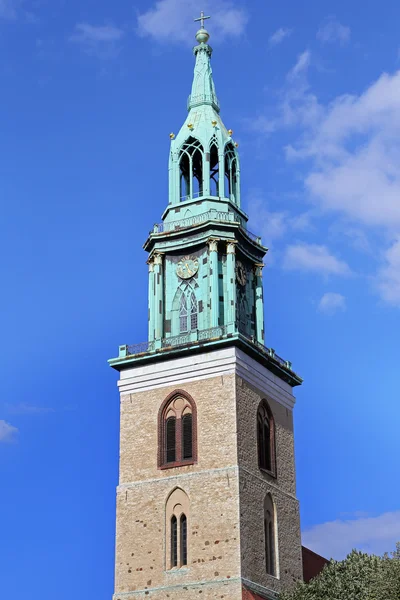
pixel 202 18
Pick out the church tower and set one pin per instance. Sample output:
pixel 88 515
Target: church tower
pixel 206 501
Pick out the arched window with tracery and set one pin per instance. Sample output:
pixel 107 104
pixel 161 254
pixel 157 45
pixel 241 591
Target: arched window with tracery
pixel 231 174
pixel 191 170
pixel 266 439
pixel 214 167
pixel 270 536
pixel 177 514
pixel 188 310
pixel 177 431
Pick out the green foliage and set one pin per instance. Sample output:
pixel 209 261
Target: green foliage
pixel 359 577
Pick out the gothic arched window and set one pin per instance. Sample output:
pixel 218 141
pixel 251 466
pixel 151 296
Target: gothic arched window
pixel 231 178
pixel 269 536
pixel 214 168
pixel 188 311
pixel 177 513
pixel 191 170
pixel 177 433
pixel 266 439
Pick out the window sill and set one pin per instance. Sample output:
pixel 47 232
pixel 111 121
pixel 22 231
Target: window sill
pixel 178 570
pixel 267 472
pixel 174 465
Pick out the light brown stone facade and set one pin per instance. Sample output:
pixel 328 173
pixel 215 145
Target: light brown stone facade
pixel 226 492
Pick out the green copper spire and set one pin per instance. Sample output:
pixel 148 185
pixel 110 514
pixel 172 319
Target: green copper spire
pixel 205 266
pixel 203 89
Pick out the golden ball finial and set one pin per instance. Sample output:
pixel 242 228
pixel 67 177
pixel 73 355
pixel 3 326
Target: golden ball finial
pixel 230 131
pixel 172 136
pixel 190 125
pixel 214 123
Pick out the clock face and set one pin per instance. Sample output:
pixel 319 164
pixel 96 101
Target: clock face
pixel 187 267
pixel 241 274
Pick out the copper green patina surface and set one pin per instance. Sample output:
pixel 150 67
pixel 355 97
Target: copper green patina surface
pixel 205 266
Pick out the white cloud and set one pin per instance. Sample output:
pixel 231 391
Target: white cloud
pixel 350 149
pixel 335 539
pixel 279 35
pixel 301 66
pixel 388 278
pixel 333 31
pixel 354 146
pixel 101 41
pixel 331 302
pixel 27 409
pixel 172 20
pixel 314 258
pixel 7 431
pixel 8 9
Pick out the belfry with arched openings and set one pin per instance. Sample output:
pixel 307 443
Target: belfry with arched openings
pixel 206 501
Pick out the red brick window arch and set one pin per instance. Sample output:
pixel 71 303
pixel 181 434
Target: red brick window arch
pixel 266 439
pixel 177 431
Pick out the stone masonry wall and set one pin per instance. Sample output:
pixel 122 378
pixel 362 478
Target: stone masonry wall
pixel 255 484
pixel 212 486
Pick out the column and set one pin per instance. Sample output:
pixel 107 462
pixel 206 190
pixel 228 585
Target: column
pixel 222 193
pixel 214 282
pixel 158 297
pixel 150 262
pixel 206 174
pixel 231 282
pixel 258 267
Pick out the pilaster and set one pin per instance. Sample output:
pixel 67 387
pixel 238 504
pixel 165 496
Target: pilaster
pixel 231 278
pixel 150 262
pixel 214 292
pixel 259 302
pixel 158 297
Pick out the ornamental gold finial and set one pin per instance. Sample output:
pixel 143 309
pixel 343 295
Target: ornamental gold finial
pixel 202 36
pixel 230 131
pixel 190 125
pixel 172 136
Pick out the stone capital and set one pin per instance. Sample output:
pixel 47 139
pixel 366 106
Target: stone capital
pixel 230 247
pixel 258 267
pixel 157 259
pixel 213 244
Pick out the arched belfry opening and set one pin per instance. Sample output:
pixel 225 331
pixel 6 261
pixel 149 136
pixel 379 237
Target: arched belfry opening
pixel 231 174
pixel 191 170
pixel 214 167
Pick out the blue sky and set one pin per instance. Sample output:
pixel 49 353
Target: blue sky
pixel 90 92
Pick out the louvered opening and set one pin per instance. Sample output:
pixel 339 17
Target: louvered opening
pixel 170 439
pixel 174 542
pixel 183 540
pixel 187 436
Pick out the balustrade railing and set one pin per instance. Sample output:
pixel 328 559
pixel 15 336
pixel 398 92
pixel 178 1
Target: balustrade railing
pixel 211 215
pixel 176 340
pixel 201 335
pixel 213 332
pixel 140 348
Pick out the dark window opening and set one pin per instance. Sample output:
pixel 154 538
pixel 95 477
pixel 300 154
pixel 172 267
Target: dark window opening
pixel 230 173
pixel 170 439
pixel 174 542
pixel 214 171
pixel 187 436
pixel 266 439
pixel 183 527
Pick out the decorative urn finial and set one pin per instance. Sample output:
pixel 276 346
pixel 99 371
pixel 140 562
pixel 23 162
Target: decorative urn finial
pixel 202 36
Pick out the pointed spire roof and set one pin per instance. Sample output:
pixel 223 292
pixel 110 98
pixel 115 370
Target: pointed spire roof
pixel 203 88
